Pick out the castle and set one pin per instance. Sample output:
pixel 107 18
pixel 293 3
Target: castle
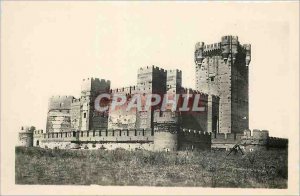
pixel 221 85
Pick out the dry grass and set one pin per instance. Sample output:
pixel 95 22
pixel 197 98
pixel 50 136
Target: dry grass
pixel 264 169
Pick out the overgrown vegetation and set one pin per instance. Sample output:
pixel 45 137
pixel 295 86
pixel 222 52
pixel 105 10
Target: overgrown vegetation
pixel 260 169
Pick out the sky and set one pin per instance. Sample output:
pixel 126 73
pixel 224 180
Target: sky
pixel 47 48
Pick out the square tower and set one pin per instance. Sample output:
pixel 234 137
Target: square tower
pixel 90 119
pixel 222 70
pixel 150 80
pixel 174 81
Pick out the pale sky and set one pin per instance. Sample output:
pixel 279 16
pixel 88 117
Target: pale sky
pixel 47 48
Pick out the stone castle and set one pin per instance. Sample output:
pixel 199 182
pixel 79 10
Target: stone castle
pixel 221 81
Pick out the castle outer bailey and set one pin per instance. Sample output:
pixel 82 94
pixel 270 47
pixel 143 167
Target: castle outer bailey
pixel 222 89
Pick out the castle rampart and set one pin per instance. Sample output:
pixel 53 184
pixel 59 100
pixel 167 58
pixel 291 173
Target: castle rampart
pixel 221 81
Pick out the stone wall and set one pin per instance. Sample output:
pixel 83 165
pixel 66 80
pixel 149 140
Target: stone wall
pixel 225 140
pixel 275 142
pixel 59 120
pixel 110 139
pixel 167 136
pixel 195 119
pixel 75 114
pixel 59 117
pixel 257 140
pixel 120 117
pixel 193 140
pixel 165 141
pixel 150 80
pixel 89 117
pixel 25 137
pixel 222 71
pixel 165 130
pixel 174 81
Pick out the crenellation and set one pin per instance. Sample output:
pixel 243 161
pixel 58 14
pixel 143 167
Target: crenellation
pixel 222 77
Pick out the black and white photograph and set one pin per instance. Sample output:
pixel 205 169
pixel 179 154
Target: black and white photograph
pixel 149 98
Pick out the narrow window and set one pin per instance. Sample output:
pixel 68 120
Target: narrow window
pixel 160 113
pixel 84 115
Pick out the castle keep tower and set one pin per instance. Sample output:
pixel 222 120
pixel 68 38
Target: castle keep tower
pixel 222 70
pixel 165 130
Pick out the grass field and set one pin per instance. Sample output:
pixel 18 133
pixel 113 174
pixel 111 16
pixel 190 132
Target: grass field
pixel 260 169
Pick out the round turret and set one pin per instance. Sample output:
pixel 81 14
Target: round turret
pixel 25 137
pixel 165 131
pixel 229 45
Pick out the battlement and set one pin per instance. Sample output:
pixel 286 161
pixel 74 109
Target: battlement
pixel 211 47
pixel 185 90
pixel 165 116
pixel 74 100
pixel 174 71
pixel 125 90
pixel 203 50
pixel 275 142
pixel 152 68
pixel 61 97
pixel 190 139
pixel 96 80
pixel 247 48
pixel 85 135
pixel 194 132
pixel 25 136
pixel 199 45
pixel 257 134
pixel 230 38
pixel 228 140
pixel 228 136
pixel 94 85
pixel 38 132
pixel 60 103
pixel 229 44
pixel 26 129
